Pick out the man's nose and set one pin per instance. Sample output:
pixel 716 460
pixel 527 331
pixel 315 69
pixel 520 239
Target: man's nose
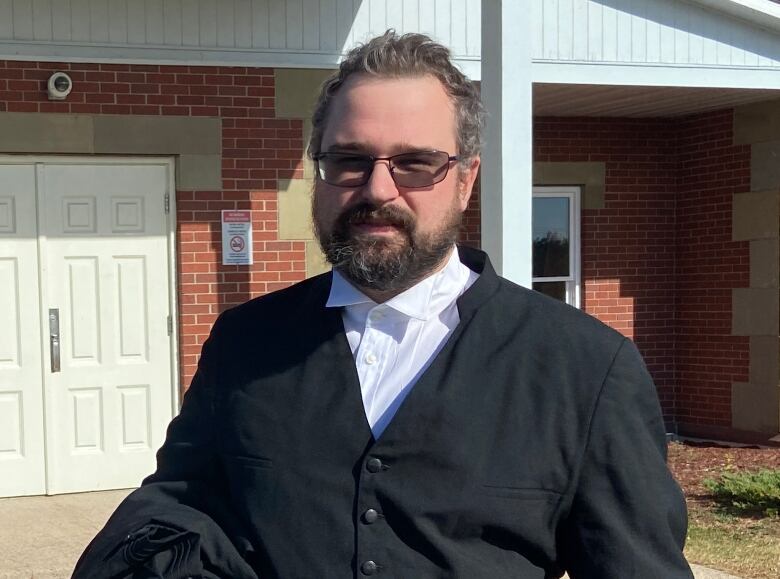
pixel 380 187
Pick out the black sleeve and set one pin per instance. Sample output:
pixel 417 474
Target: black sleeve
pixel 178 523
pixel 628 518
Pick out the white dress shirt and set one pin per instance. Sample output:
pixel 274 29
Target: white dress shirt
pixel 395 341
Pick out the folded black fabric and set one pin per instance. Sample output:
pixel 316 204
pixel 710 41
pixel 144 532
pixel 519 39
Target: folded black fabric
pixel 151 537
pixel 161 550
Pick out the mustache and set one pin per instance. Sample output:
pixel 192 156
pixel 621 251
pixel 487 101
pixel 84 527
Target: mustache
pixel 365 213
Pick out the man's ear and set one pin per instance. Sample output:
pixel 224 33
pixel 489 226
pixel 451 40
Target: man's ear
pixel 466 177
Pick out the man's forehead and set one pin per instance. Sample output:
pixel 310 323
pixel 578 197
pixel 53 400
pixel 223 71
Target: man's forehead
pixel 406 113
pixel 361 84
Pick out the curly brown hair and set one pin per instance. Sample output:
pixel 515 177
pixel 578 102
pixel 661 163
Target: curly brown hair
pixel 409 55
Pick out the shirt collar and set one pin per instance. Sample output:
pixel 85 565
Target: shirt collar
pixel 422 301
pixel 343 293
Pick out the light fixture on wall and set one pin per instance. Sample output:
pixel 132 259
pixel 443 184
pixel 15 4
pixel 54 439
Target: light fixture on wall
pixel 59 86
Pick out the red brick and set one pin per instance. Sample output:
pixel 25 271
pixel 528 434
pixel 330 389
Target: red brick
pixel 22 107
pixel 658 262
pixel 189 79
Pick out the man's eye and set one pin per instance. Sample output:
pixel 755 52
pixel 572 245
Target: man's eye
pixel 348 163
pixel 415 163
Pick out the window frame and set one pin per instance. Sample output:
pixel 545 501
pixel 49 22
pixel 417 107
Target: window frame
pixel 574 279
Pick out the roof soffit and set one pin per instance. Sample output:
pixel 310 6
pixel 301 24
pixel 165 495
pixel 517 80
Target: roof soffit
pixel 764 13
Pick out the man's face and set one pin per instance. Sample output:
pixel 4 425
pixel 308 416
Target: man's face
pixel 381 235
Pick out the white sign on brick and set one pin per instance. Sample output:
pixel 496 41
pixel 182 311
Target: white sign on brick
pixel 236 238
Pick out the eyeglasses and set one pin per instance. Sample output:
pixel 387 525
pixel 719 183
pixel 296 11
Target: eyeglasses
pixel 418 169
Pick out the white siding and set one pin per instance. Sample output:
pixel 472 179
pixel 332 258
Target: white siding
pixel 173 17
pixel 42 26
pixel 98 20
pixel 316 32
pixel 318 26
pixel 190 22
pixel 23 19
pixel 649 32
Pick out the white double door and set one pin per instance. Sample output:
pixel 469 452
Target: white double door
pixel 86 372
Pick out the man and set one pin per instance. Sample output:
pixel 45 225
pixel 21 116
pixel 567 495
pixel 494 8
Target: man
pixel 411 415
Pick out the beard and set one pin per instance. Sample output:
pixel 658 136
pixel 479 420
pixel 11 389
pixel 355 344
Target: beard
pixel 379 262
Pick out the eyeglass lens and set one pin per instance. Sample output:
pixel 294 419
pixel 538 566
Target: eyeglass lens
pixel 418 169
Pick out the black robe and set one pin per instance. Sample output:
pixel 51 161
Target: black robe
pixel 532 444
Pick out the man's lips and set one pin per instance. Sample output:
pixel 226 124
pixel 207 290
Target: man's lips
pixel 376 227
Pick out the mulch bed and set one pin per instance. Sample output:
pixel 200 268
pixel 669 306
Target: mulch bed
pixel 743 544
pixel 693 462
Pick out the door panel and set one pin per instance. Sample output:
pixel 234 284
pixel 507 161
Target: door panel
pixel 22 463
pixel 105 268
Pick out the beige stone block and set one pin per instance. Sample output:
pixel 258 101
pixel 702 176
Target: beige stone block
pixel 295 209
pixel 757 122
pixel 756 215
pixel 765 166
pixel 315 260
pixel 147 135
pixel 199 172
pixel 297 90
pixel 46 133
pixel 765 360
pixel 590 176
pixel 765 263
pixel 755 312
pixel 755 408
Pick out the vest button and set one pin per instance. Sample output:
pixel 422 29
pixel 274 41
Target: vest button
pixel 373 465
pixel 369 568
pixel 370 516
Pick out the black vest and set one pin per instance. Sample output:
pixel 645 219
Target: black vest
pixel 532 443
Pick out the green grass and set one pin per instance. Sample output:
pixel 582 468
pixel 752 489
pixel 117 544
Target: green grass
pixel 747 493
pixel 748 548
pixel 737 529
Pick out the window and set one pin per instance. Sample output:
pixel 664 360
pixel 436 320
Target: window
pixel 556 243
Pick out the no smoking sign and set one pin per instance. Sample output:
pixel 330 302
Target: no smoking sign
pixel 237 244
pixel 236 238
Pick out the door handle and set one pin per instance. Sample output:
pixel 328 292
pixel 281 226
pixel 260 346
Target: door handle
pixel 54 338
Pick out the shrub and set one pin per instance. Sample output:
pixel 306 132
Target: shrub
pixel 748 492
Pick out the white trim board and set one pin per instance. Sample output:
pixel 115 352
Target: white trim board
pixel 655 75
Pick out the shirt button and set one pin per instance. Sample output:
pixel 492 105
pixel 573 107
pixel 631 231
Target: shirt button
pixel 370 358
pixel 369 568
pixel 370 516
pixel 373 465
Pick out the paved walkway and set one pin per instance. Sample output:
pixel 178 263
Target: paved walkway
pixel 42 537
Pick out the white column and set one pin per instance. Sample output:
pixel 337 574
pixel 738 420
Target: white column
pixel 506 188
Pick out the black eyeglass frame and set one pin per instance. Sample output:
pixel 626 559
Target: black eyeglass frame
pixel 372 160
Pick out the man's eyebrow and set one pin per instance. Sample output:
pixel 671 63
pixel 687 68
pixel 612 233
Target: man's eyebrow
pixel 350 146
pixel 354 146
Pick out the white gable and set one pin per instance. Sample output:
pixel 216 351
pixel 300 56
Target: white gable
pixel 303 33
pixel 730 42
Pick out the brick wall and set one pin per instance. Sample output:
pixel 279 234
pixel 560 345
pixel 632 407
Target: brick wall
pixel 658 263
pixel 470 232
pixel 657 260
pixel 257 150
pixel 709 265
pixel 628 245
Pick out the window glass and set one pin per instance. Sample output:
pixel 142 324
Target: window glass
pixel 551 237
pixel 554 289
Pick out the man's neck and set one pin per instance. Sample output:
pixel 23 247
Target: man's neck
pixel 380 295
